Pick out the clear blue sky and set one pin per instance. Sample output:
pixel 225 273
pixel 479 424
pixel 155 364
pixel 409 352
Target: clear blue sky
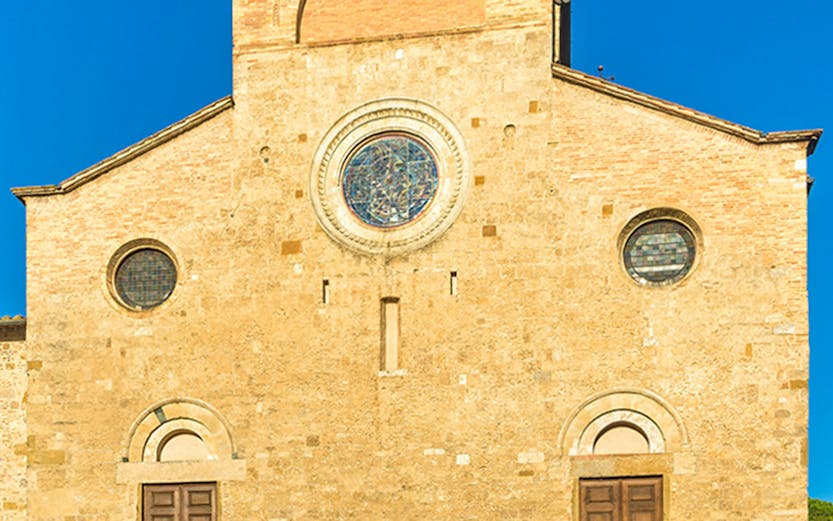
pixel 83 79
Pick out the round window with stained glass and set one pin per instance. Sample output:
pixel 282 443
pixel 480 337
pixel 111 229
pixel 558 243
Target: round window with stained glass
pixel 389 177
pixel 659 252
pixel 143 278
pixel 389 180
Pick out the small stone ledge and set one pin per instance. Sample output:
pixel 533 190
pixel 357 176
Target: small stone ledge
pixel 181 471
pixel 12 329
pixel 392 374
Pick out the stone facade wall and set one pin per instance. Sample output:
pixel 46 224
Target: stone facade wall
pixel 497 380
pixel 13 442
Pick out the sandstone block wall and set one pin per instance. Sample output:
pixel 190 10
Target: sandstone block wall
pixel 13 442
pixel 496 381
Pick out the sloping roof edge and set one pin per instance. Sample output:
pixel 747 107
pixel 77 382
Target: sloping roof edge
pixel 749 134
pixel 128 154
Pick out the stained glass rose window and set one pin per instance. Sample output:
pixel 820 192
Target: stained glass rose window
pixel 389 180
pixel 389 177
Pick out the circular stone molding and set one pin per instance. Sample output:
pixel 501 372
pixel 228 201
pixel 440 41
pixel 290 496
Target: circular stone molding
pixel 660 247
pixel 405 117
pixel 142 274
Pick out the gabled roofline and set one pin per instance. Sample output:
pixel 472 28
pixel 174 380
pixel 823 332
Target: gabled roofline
pixel 749 134
pixel 558 71
pixel 128 154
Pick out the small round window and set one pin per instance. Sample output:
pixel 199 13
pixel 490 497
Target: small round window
pixel 144 278
pixel 659 252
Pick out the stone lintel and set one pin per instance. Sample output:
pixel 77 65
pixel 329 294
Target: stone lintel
pixel 181 471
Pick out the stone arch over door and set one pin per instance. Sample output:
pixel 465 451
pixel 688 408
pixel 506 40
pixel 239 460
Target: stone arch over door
pixel 334 20
pixel 642 410
pixel 165 420
pixel 193 467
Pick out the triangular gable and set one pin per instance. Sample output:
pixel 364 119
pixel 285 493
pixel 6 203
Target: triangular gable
pixel 558 71
pixel 128 154
pixel 749 134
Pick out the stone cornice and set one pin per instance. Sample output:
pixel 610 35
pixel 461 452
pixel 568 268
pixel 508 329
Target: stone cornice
pixel 12 329
pixel 598 84
pixel 128 154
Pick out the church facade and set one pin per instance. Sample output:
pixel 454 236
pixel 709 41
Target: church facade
pixel 416 268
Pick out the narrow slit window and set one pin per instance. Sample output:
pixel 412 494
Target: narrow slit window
pixel 453 283
pixel 325 291
pixel 389 359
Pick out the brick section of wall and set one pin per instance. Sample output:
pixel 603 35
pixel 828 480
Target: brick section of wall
pixel 274 22
pixel 503 11
pixel 328 20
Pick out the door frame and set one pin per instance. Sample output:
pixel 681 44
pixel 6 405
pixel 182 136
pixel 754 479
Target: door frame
pixel 214 486
pixel 664 489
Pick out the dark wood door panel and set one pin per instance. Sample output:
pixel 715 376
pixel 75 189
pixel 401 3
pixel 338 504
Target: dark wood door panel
pixel 600 500
pixel 180 502
pixel 600 516
pixel 643 499
pixel 621 499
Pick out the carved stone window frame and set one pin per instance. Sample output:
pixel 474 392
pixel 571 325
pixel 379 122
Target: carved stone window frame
pixel 393 115
pixel 122 254
pixel 660 214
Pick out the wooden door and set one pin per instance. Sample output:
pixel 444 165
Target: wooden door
pixel 600 500
pixel 180 502
pixel 642 499
pixel 621 499
pixel 160 503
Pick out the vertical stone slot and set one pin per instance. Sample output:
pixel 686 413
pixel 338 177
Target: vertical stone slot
pixel 325 291
pixel 453 283
pixel 389 356
pixel 561 21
